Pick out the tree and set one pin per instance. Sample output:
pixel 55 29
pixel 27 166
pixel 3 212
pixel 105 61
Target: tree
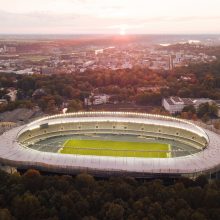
pixel 189 108
pixel 84 180
pixel 198 216
pixel 217 125
pixel 149 99
pixel 213 109
pixel 27 207
pixel 201 181
pixel 206 110
pixel 183 214
pixel 209 81
pixel 89 218
pixel 113 211
pixel 184 92
pixel 74 106
pixel 32 180
pixel 203 109
pixel 51 107
pixel 5 214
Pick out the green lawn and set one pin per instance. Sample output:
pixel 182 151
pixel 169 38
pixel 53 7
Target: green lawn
pixel 33 57
pixel 116 148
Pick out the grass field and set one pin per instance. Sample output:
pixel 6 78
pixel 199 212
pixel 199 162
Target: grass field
pixel 33 57
pixel 116 148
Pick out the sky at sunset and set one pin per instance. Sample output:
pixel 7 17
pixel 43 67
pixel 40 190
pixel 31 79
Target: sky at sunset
pixel 110 17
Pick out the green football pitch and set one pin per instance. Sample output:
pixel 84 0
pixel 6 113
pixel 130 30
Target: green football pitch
pixel 116 148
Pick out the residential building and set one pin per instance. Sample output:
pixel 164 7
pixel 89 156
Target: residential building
pixel 176 104
pixel 12 94
pixel 97 99
pixel 3 101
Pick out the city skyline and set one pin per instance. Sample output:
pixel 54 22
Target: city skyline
pixel 109 17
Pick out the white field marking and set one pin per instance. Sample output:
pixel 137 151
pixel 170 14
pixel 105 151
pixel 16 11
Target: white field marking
pixel 169 154
pixel 59 151
pixel 65 143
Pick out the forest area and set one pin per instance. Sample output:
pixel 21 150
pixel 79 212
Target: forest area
pixel 33 196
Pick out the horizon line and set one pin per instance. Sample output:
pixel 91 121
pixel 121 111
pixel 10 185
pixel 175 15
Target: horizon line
pixel 109 34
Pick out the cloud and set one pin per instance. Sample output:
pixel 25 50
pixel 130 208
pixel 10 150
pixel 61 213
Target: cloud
pixel 51 22
pixel 35 19
pixel 44 22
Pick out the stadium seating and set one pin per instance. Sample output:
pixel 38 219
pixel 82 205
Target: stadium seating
pixel 140 129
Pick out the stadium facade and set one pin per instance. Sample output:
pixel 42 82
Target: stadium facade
pixel 16 145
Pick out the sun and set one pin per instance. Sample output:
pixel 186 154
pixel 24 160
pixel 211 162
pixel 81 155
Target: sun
pixel 122 31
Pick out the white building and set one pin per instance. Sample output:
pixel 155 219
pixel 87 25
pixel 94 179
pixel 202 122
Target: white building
pixel 176 104
pixel 126 65
pixel 12 94
pixel 97 99
pixel 200 101
pixel 27 71
pixel 3 101
pixel 88 63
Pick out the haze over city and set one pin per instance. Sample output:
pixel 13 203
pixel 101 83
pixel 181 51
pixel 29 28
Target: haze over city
pixel 109 17
pixel 109 109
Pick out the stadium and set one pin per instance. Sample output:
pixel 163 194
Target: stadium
pixel 112 143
